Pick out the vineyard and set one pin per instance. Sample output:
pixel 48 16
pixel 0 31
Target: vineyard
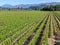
pixel 29 27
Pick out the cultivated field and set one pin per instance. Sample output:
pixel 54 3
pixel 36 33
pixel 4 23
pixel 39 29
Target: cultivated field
pixel 29 28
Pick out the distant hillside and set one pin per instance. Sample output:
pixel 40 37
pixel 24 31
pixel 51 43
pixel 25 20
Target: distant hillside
pixel 6 6
pixel 32 6
pixel 47 6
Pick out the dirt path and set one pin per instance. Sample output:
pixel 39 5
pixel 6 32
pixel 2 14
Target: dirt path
pixel 57 37
pixel 54 38
pixel 51 39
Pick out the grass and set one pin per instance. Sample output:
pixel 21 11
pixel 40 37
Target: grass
pixel 12 22
pixel 15 23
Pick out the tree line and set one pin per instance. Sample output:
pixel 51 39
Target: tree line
pixel 45 8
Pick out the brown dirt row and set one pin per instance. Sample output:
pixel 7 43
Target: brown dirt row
pixel 42 33
pixel 45 31
pixel 51 38
pixel 16 40
pixel 57 37
pixel 32 35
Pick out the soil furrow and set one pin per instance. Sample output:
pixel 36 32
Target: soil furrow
pixel 38 42
pixel 57 37
pixel 51 38
pixel 32 35
pixel 21 36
